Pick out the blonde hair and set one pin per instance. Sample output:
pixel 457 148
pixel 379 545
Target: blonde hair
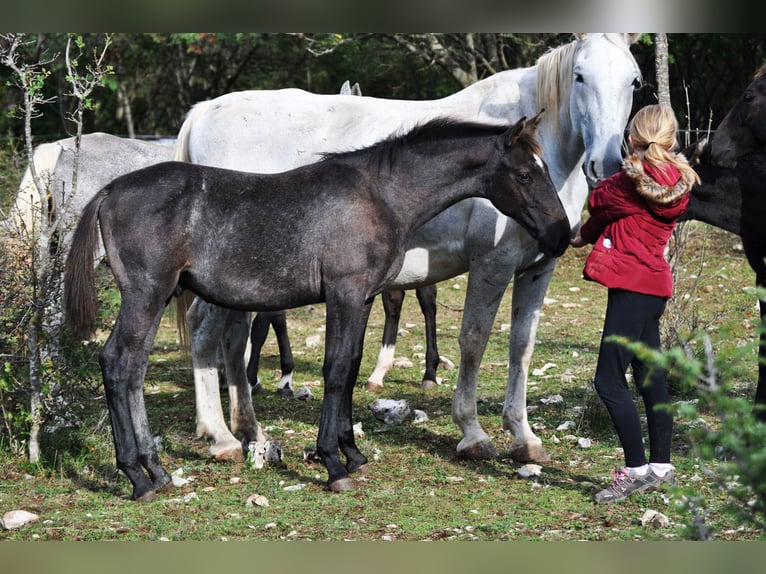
pixel 653 136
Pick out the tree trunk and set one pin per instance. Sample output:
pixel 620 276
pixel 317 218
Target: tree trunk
pixel 661 66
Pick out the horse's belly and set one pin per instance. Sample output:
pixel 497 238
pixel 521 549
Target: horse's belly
pixel 423 266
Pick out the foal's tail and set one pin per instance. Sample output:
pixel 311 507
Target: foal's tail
pixel 80 303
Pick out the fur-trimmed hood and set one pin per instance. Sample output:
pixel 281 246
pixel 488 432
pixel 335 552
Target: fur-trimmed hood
pixel 662 186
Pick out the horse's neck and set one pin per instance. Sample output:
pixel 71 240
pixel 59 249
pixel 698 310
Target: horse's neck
pixel 563 152
pixel 419 189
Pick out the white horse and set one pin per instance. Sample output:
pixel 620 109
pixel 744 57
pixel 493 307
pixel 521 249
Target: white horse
pixel 103 157
pixel 586 88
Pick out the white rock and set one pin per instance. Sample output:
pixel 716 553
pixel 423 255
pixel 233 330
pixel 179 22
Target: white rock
pixel 584 443
pixel 655 519
pixel 14 519
pixel 419 416
pixel 539 372
pixel 553 399
pixel 177 480
pixel 261 452
pixel 446 363
pixel 191 496
pixel 566 425
pixel 390 411
pixel 257 500
pixel 303 394
pixel 402 363
pixel 530 470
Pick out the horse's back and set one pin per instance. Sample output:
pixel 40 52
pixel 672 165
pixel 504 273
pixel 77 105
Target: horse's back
pixel 270 131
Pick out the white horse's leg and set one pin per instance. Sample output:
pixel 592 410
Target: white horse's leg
pixel 234 344
pixel 482 300
pixel 529 290
pixel 206 327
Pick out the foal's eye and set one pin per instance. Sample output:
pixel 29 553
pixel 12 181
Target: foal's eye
pixel 579 79
pixel 636 83
pixel 748 96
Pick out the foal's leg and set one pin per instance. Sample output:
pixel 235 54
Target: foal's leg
pixel 233 343
pixel 528 293
pixel 206 327
pixel 392 305
pixel 427 299
pixel 124 361
pixel 346 323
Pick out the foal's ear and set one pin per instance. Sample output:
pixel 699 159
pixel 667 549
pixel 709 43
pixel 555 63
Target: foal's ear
pixel 513 132
pixel 523 125
pixel 534 121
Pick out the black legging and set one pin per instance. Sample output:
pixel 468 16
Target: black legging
pixel 636 317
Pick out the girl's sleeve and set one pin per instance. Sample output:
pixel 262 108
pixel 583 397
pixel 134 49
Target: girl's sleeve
pixel 607 203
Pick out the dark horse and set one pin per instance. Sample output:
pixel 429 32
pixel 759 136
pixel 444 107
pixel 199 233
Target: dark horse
pixel 334 231
pixel 732 166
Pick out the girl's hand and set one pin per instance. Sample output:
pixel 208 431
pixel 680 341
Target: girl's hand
pixel 577 241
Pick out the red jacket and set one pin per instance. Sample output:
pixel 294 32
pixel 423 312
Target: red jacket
pixel 632 216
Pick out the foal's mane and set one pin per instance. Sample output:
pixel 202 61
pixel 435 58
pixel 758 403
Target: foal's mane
pixel 434 130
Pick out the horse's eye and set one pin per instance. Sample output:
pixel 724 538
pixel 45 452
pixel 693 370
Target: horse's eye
pixel 524 177
pixel 748 96
pixel 636 83
pixel 579 79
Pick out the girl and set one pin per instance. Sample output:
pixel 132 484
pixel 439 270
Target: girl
pixel 632 216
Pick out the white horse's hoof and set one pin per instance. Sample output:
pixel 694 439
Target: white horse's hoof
pixel 227 452
pixel 478 451
pixel 374 387
pixel 529 453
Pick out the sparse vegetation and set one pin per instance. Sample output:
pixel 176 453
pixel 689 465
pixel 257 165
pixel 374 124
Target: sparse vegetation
pixel 417 489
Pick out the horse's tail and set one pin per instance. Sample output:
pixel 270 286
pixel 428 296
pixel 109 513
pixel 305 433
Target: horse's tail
pixel 181 152
pixel 80 303
pixel 182 304
pixel 27 206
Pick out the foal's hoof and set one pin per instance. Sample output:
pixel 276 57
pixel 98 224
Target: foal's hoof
pixel 529 453
pixel 341 485
pixel 374 387
pixel 361 470
pixel 479 451
pixel 428 384
pixel 147 496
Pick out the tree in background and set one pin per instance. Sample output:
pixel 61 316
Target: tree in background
pixel 33 255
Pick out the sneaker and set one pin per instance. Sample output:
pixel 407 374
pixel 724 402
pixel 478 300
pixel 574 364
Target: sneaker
pixel 669 479
pixel 625 484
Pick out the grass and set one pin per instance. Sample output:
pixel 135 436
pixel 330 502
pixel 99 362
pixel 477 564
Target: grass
pixel 418 489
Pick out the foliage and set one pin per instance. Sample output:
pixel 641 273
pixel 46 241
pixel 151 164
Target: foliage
pixel 37 382
pixel 158 76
